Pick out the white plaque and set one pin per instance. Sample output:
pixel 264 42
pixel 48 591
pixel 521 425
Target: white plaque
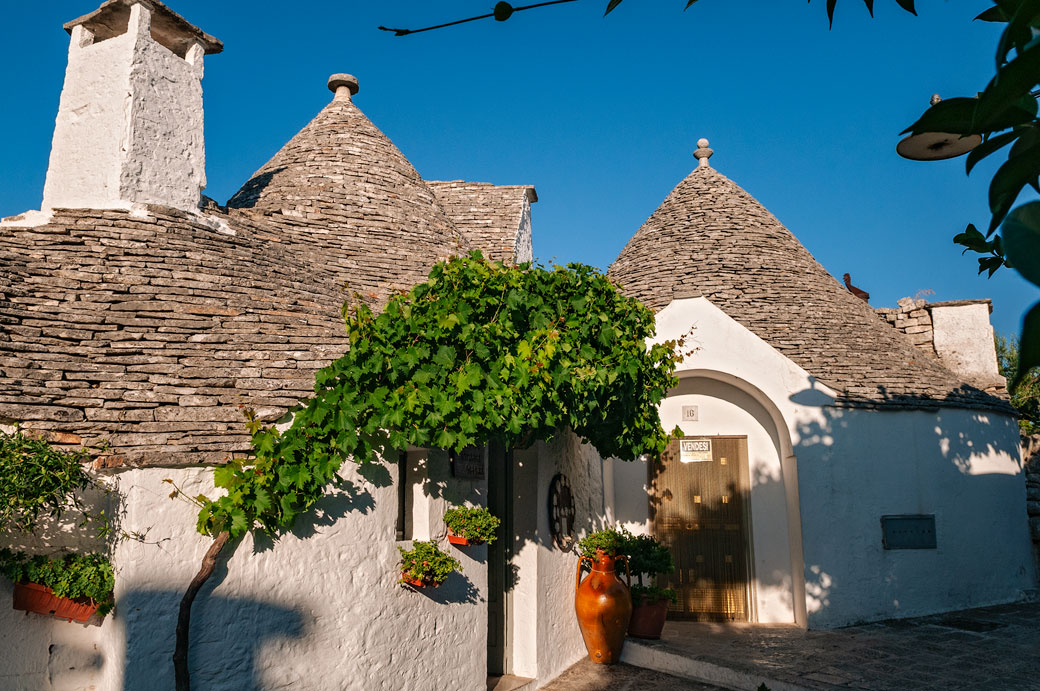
pixel 690 413
pixel 695 450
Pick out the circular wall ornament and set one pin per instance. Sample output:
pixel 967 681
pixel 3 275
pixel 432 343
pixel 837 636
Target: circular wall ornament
pixel 561 512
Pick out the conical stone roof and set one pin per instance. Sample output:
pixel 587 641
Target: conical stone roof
pixel 710 238
pixel 341 191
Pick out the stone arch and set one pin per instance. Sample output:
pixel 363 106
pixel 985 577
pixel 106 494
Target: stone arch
pixel 776 516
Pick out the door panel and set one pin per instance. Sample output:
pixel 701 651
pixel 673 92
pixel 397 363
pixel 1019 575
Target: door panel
pixel 700 510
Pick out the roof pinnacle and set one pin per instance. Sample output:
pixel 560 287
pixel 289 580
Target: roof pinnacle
pixel 343 85
pixel 703 153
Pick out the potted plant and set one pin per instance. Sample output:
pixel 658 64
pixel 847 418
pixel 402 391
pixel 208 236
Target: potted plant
pixel 73 586
pixel 425 565
pixel 602 601
pixel 39 482
pixel 468 525
pixel 648 557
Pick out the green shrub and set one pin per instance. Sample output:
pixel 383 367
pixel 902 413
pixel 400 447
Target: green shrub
pixel 652 594
pixel 71 576
pixel 610 540
pixel 472 523
pixel 426 562
pixel 38 480
pixel 647 555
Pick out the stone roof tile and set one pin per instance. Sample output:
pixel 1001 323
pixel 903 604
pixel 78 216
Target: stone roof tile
pixel 341 190
pixel 489 217
pixel 710 238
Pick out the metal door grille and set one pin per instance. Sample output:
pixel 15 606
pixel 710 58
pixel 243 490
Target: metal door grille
pixel 700 511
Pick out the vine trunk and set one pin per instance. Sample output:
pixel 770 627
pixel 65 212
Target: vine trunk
pixel 180 654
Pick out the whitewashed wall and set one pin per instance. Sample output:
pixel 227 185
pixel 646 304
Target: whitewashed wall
pixel 129 125
pixel 319 609
pixel 960 465
pixel 545 635
pixel 840 470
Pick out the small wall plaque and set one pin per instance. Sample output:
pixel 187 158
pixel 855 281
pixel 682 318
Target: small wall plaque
pixel 916 531
pixel 469 463
pixel 695 450
pixel 690 413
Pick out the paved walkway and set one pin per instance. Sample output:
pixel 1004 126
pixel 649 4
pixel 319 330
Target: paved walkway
pixel 992 648
pixel 588 676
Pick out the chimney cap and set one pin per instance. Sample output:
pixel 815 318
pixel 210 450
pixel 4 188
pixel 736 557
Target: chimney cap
pixel 341 79
pixel 168 28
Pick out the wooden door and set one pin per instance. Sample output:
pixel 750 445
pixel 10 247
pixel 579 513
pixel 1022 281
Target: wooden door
pixel 500 503
pixel 700 510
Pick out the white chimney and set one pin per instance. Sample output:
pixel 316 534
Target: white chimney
pixel 129 126
pixel 963 339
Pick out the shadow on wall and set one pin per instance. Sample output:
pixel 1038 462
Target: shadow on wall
pixel 230 633
pixel 857 464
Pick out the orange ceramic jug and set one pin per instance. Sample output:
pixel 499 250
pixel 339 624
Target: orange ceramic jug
pixel 604 606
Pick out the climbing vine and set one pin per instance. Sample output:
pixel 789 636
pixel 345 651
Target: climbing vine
pixel 477 353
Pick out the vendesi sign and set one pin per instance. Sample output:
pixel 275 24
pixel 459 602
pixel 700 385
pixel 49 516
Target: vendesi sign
pixel 695 450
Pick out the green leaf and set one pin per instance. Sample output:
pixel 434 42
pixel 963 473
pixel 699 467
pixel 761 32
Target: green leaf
pixel 907 5
pixel 988 147
pixel 239 523
pixel 972 239
pixel 993 14
pixel 224 475
pixel 1021 233
pixel 1028 346
pixel 1017 172
pixel 1013 80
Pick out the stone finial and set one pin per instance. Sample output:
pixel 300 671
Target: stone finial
pixel 703 153
pixel 343 85
pixel 935 100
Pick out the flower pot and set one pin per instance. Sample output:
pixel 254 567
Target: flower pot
pixel 462 541
pixel 604 606
pixel 648 618
pixel 33 597
pixel 407 579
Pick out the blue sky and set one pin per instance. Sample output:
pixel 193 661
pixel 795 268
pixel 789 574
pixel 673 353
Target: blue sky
pixel 600 114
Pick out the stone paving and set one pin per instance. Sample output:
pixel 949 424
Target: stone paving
pixel 588 676
pixel 991 648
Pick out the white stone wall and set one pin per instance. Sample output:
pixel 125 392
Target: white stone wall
pixel 963 338
pixel 960 465
pixel 523 248
pixel 840 470
pixel 130 123
pixel 545 635
pixel 90 130
pixel 318 609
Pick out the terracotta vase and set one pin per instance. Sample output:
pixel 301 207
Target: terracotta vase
pixel 33 597
pixel 604 606
pixel 648 619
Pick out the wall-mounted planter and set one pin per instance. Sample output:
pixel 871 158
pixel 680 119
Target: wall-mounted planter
pixel 407 579
pixel 461 541
pixel 32 597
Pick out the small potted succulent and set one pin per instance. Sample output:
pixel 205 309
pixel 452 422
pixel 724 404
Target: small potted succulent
pixel 469 525
pixel 425 565
pixel 73 586
pixel 648 557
